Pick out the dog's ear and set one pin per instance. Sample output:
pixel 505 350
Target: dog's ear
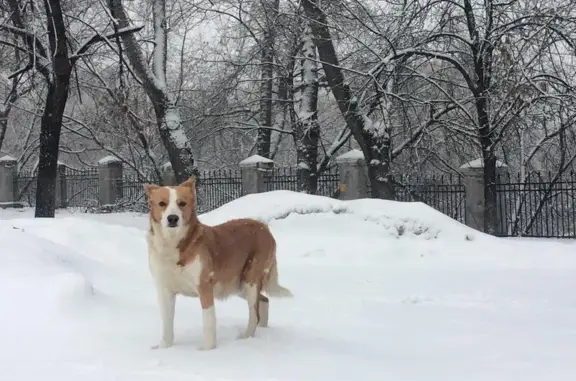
pixel 149 188
pixel 191 182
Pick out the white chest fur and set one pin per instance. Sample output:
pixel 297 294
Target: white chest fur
pixel 167 274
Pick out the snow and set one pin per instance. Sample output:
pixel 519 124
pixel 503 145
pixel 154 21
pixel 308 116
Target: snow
pixel 174 125
pixel 303 165
pixel 166 166
pixel 479 163
pixel 7 158
pixel 352 155
pixel 253 160
pixel 383 290
pixel 109 159
pixel 376 128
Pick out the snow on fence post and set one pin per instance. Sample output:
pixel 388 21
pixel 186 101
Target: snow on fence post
pixel 110 173
pixel 9 182
pixel 353 173
pixel 168 175
pixel 255 171
pixel 61 188
pixel 473 173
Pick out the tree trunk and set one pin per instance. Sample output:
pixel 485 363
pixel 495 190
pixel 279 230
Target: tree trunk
pixel 4 112
pixel 489 170
pixel 307 129
pixel 263 142
pixel 374 143
pixel 56 99
pixel 167 114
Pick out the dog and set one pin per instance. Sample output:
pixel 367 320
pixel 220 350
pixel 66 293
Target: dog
pixel 187 257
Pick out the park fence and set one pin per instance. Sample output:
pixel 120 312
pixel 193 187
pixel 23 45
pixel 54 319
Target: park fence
pixel 535 205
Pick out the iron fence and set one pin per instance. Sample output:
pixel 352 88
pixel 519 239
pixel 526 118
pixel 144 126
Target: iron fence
pixel 444 193
pixel 538 205
pixel 218 187
pixel 81 187
pixel 287 179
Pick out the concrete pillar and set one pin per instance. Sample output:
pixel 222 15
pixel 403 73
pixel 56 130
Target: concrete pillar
pixel 353 173
pixel 255 171
pixel 473 173
pixel 8 181
pixel 168 175
pixel 110 172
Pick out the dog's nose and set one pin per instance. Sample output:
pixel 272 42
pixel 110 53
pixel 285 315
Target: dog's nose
pixel 172 220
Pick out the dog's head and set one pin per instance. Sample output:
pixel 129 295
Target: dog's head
pixel 172 209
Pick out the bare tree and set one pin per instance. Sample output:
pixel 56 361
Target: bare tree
pixel 155 83
pixel 55 64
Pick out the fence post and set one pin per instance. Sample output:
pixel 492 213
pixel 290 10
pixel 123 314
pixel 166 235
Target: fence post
pixel 8 182
pixel 110 172
pixel 255 170
pixel 168 175
pixel 61 188
pixel 353 173
pixel 473 173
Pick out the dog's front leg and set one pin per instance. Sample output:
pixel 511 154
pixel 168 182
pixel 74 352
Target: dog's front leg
pixel 206 293
pixel 167 303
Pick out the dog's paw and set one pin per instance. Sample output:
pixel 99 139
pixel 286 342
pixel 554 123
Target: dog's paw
pixel 244 335
pixel 163 344
pixel 206 347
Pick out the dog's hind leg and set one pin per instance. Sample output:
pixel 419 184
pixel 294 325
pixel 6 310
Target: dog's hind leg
pixel 263 308
pixel 251 293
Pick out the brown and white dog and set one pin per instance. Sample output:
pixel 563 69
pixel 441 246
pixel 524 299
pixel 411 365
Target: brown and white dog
pixel 189 258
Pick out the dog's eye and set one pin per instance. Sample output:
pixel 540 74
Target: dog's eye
pixel 162 203
pixel 181 204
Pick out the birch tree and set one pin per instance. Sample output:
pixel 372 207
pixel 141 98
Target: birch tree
pixel 155 83
pixel 307 129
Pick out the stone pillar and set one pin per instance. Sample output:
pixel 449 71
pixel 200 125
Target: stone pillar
pixel 8 181
pixel 473 173
pixel 168 175
pixel 110 172
pixel 61 188
pixel 353 173
pixel 255 170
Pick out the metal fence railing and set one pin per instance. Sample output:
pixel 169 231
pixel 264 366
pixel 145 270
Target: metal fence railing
pixel 536 205
pixel 539 205
pixel 287 179
pixel 443 193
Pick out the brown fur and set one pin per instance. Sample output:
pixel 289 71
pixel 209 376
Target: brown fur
pixel 234 255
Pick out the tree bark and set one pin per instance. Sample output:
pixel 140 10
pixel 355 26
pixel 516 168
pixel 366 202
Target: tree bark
pixel 263 142
pixel 4 112
pixel 307 129
pixel 56 99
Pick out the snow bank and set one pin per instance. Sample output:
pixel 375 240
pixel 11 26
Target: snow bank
pixel 395 219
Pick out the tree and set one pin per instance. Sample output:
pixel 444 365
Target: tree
pixel 55 64
pixel 307 129
pixel 155 84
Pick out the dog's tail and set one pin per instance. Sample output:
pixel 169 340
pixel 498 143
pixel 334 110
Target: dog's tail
pixel 272 287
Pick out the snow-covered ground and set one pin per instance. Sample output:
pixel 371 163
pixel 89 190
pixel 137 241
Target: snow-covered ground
pixel 383 291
